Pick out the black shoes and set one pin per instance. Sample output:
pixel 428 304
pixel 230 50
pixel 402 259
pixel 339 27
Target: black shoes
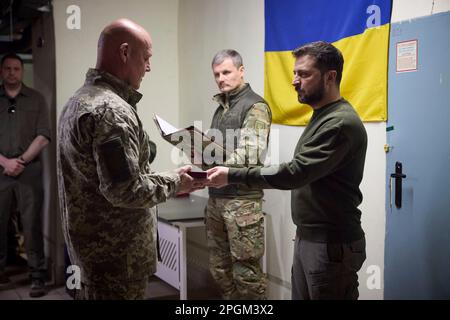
pixel 16 261
pixel 37 288
pixel 5 282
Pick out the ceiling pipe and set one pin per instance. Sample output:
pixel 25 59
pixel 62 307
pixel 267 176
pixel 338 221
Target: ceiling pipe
pixel 11 29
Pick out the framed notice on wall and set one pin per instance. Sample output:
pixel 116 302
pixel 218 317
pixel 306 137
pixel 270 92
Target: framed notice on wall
pixel 406 56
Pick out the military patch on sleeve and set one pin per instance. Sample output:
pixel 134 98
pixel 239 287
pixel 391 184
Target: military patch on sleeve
pixel 152 147
pixel 260 125
pixel 114 158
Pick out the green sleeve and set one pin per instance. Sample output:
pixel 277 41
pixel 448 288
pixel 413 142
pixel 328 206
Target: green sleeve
pixel 314 158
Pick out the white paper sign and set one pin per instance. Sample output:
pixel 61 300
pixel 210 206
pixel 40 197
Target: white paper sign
pixel 407 56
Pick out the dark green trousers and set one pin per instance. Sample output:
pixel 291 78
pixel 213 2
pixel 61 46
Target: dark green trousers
pixel 326 271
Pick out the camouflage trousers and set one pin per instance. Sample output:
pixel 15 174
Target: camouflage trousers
pixel 113 290
pixel 235 233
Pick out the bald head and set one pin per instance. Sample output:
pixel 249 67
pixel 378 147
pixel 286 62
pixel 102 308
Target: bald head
pixel 124 50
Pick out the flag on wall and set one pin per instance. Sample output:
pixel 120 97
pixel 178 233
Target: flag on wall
pixel 360 29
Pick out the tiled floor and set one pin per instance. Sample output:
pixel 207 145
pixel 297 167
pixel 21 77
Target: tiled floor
pixel 21 286
pixel 157 289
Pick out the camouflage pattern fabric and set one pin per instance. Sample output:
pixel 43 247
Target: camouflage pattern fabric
pixel 106 188
pixel 254 137
pixel 235 226
pixel 235 233
pixel 115 290
pixel 253 134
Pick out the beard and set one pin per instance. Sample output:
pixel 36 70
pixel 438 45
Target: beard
pixel 314 96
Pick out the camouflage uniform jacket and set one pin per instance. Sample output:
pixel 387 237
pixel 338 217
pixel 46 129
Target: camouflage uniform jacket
pixel 257 121
pixel 106 188
pixel 253 138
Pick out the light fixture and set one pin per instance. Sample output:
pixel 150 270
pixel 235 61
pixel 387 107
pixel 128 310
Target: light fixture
pixel 45 8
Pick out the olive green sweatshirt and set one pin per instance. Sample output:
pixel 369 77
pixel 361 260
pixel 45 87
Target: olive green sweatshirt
pixel 324 175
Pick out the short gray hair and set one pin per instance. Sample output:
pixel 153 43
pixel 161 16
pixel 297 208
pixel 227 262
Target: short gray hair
pixel 225 54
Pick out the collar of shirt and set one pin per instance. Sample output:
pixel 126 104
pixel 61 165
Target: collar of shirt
pixel 125 91
pixel 328 106
pixel 24 91
pixel 226 99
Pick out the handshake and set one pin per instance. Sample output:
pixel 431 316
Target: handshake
pixel 216 177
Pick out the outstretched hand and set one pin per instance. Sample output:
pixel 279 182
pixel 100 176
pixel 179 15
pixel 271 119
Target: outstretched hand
pixel 217 177
pixel 183 170
pixel 187 183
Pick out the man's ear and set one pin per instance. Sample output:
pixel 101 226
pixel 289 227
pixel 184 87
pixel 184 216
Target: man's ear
pixel 242 71
pixel 331 77
pixel 124 51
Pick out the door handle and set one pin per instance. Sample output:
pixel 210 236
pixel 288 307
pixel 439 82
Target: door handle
pixel 398 176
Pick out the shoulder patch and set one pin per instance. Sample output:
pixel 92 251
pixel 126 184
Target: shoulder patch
pixel 114 158
pixel 260 125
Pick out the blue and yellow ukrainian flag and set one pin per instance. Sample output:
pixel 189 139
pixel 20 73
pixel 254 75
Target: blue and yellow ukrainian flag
pixel 359 28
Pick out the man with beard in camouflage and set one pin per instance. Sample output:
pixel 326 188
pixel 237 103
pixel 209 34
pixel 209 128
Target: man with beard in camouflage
pixel 108 192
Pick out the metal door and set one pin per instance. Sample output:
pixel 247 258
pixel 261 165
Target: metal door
pixel 417 248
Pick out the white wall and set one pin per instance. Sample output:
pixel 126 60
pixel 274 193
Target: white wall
pixel 410 9
pixel 206 27
pixel 76 52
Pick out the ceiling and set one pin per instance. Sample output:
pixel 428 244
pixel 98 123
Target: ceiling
pixel 24 13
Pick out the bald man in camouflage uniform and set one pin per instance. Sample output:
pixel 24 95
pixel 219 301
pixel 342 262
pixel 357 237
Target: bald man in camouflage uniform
pixel 234 217
pixel 106 187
